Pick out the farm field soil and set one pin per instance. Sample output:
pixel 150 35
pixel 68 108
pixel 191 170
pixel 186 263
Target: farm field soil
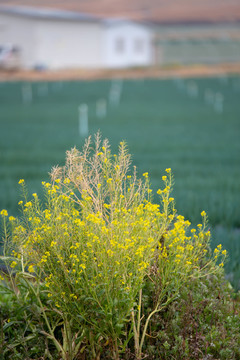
pixel 161 72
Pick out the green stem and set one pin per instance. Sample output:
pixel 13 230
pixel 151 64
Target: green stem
pixel 56 343
pixel 136 329
pixel 139 311
pixel 156 310
pixel 139 353
pixel 67 336
pixel 116 351
pixel 136 335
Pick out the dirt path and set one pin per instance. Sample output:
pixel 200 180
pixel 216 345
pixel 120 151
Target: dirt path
pixel 164 72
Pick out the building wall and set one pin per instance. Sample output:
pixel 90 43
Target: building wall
pixel 19 32
pixel 127 44
pixel 60 43
pixel 66 44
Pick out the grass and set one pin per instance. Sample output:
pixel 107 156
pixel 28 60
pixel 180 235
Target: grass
pixel 163 126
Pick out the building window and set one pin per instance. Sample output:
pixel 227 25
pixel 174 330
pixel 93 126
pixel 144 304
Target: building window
pixel 138 46
pixel 120 45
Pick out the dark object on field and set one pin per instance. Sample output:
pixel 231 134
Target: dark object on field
pixel 9 57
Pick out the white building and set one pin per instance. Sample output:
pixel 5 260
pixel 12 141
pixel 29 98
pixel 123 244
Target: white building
pixel 61 39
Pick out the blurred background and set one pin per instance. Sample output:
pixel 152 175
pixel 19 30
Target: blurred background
pixel 162 75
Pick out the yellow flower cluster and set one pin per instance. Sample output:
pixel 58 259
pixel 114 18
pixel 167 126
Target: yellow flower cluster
pixel 4 212
pixel 100 234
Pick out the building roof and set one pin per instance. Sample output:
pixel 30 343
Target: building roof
pixel 55 14
pixel 45 13
pixel 161 11
pixel 120 21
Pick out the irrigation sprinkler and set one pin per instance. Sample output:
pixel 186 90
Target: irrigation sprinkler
pixel 115 92
pixel 114 96
pixel 209 96
pixel 83 120
pixel 27 93
pixel 42 89
pixel 101 108
pixel 179 83
pixel 218 103
pixel 192 89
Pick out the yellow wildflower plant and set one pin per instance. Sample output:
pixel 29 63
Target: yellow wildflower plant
pixel 99 238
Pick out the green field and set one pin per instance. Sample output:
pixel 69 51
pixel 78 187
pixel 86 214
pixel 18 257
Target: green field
pixel 163 126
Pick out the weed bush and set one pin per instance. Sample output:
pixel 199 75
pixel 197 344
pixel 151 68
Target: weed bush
pixel 104 264
pixel 21 325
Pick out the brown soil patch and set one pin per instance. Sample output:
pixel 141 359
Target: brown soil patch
pixel 80 74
